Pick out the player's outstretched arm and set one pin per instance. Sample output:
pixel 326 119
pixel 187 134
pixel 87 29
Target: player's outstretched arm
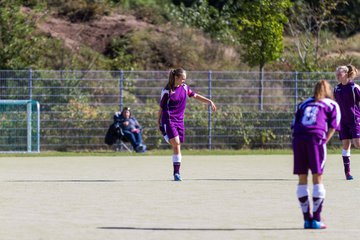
pixel 205 100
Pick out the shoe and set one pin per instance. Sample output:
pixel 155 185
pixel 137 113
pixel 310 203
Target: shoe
pixel 307 224
pixel 318 225
pixel 140 149
pixel 177 177
pixel 349 177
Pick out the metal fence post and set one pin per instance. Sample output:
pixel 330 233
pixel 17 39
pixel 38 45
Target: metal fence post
pixel 118 144
pixel 209 111
pixel 121 103
pixel 30 83
pixel 296 91
pixel 261 89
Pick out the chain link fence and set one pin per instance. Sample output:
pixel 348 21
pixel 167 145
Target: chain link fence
pixel 77 107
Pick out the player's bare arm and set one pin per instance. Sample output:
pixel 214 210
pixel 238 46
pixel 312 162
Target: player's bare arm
pixel 205 100
pixel 329 134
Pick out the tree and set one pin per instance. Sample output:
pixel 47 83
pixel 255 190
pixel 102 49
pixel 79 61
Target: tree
pixel 203 16
pixel 306 23
pixel 16 40
pixel 349 12
pixel 259 25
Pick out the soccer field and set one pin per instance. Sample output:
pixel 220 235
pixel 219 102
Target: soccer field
pixel 134 197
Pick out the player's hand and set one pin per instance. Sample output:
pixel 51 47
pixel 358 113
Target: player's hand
pixel 213 106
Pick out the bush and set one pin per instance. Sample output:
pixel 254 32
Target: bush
pixel 79 11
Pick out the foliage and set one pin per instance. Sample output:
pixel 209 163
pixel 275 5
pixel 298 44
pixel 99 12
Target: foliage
pixel 80 10
pixel 347 16
pixel 311 26
pixel 259 27
pixel 151 11
pixel 184 47
pixel 203 16
pixel 120 55
pixel 16 38
pixel 133 4
pixel 218 4
pixel 306 25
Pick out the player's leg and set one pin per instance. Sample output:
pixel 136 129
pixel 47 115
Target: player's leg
pixel 175 141
pixel 163 131
pixel 176 158
pixel 318 199
pixel 302 193
pixel 180 129
pixel 355 135
pixel 346 157
pixel 301 168
pixel 317 164
pixel 346 134
pixel 356 142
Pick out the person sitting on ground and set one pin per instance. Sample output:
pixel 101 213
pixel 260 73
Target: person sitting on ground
pixel 131 128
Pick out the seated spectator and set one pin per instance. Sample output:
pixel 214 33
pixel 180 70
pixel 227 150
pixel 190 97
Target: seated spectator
pixel 131 129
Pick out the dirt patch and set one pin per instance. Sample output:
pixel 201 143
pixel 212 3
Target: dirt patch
pixel 95 34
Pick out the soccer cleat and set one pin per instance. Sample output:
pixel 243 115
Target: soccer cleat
pixel 349 177
pixel 177 177
pixel 317 225
pixel 307 224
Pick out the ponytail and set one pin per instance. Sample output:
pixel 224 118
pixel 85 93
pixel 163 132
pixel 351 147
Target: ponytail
pixel 352 71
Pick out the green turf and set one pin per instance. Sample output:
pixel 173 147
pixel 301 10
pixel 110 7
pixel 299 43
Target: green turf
pixel 133 197
pixel 167 152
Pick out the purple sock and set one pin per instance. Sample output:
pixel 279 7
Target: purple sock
pixel 346 161
pixel 305 207
pixel 176 167
pixel 318 202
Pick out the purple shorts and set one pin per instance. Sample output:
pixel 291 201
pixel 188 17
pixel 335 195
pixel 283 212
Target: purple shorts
pixel 349 132
pixel 175 129
pixel 309 154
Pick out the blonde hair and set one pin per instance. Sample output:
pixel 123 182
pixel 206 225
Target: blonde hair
pixel 351 70
pixel 174 73
pixel 323 90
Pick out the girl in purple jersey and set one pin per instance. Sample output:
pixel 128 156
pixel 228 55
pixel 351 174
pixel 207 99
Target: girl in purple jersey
pixel 171 113
pixel 347 95
pixel 315 122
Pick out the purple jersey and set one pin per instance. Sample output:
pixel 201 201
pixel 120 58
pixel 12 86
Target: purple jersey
pixel 315 118
pixel 348 98
pixel 173 105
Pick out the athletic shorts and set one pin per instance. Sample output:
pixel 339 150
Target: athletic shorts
pixel 175 129
pixel 349 132
pixel 309 154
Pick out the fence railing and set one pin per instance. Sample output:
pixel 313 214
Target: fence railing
pixel 77 106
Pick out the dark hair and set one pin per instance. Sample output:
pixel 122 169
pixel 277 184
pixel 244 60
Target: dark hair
pixel 172 74
pixel 126 109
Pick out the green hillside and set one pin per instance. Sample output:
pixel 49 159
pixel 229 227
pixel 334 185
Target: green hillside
pixel 161 34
